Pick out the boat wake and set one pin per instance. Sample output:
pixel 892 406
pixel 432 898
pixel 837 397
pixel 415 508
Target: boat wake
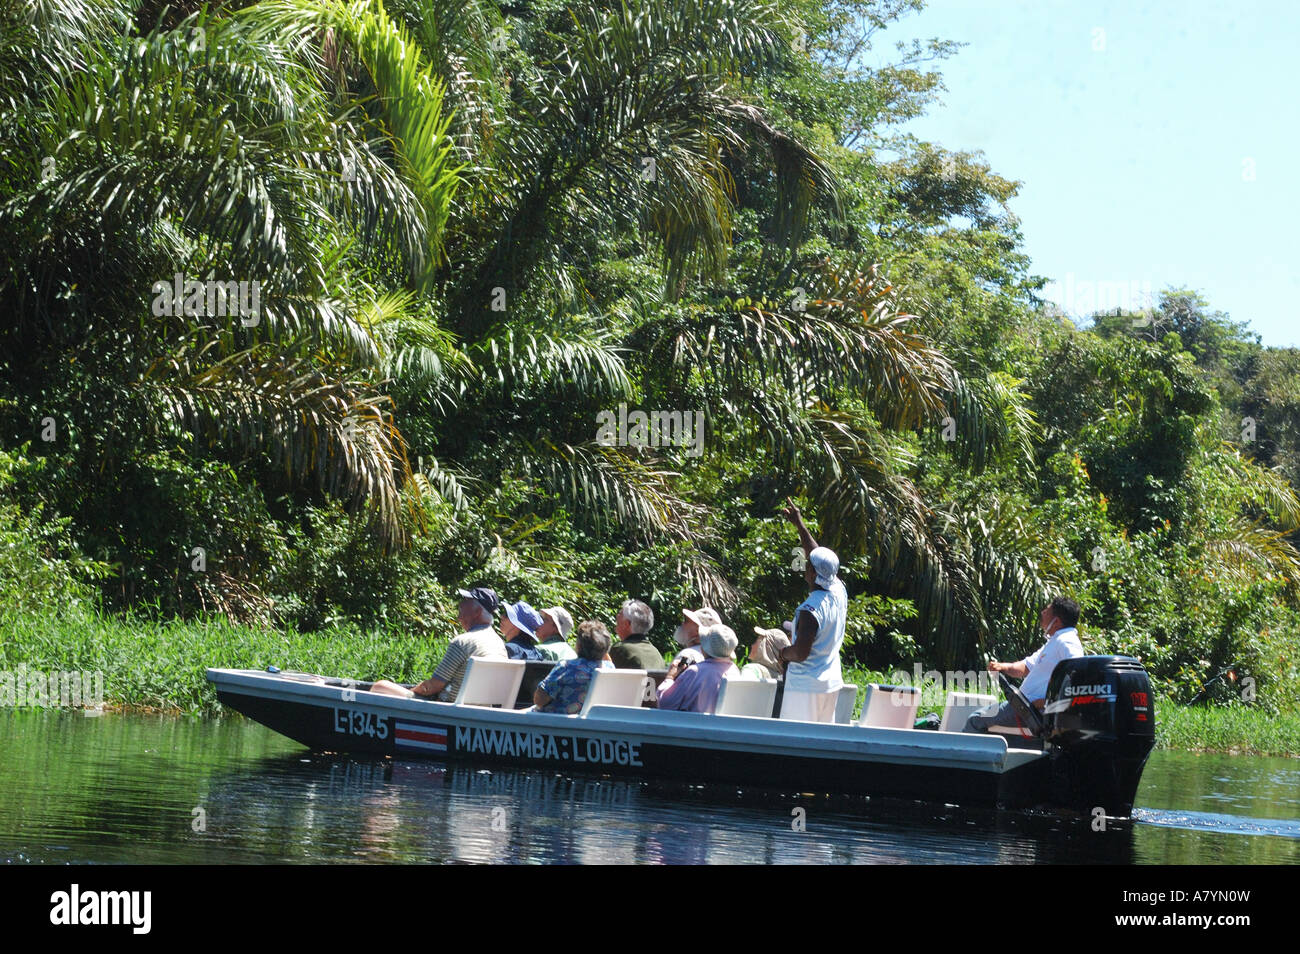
pixel 1214 822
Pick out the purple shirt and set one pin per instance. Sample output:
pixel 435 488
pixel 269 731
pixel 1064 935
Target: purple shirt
pixel 696 690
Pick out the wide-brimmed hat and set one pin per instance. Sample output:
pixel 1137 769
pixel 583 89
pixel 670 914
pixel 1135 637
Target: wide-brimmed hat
pixel 483 596
pixel 760 631
pixel 718 641
pixel 525 617
pixel 704 616
pixel 766 650
pixel 563 621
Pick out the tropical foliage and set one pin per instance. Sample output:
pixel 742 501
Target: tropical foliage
pixel 312 308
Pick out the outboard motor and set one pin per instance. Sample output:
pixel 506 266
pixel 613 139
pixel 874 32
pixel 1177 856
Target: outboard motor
pixel 1099 725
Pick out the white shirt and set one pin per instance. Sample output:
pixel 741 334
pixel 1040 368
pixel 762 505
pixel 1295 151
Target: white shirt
pixel 820 672
pixel 1063 644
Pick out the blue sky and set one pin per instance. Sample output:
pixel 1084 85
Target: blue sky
pixel 1158 143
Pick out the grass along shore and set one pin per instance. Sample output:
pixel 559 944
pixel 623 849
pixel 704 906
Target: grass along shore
pixel 151 664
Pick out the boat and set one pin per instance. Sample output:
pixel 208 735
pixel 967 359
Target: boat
pixel 1084 754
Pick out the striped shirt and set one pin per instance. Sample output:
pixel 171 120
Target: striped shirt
pixel 480 641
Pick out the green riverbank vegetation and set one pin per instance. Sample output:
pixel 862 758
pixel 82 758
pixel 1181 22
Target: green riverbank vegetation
pixel 311 312
pixel 157 665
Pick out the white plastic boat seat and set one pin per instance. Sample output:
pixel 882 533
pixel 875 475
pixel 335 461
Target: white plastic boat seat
pixel 800 706
pixel 959 706
pixel 491 682
pixel 889 707
pixel 615 687
pixel 844 703
pixel 746 697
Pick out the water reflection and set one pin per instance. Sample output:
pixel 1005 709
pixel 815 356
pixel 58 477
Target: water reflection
pixel 415 811
pixel 125 789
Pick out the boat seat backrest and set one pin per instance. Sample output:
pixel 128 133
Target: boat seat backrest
pixel 746 697
pixel 616 687
pixel 844 703
pixel 491 682
pixel 534 673
pixel 889 707
pixel 959 706
pixel 795 705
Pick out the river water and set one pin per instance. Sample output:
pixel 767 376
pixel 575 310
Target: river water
pixel 164 789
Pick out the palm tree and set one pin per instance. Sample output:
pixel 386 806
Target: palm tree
pixel 627 120
pixel 831 387
pixel 317 176
pixel 619 121
pixel 621 118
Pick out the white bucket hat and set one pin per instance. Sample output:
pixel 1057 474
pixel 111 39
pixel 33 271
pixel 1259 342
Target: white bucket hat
pixel 718 641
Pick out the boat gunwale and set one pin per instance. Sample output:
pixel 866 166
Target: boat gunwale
pixel 983 753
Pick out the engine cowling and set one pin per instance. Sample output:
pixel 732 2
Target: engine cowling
pixel 1100 728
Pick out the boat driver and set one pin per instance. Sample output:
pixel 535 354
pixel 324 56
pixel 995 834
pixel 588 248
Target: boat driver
pixel 1057 621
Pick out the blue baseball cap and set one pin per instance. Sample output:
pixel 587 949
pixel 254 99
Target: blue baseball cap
pixel 483 596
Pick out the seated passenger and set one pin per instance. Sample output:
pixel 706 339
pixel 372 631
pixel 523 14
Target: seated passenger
pixel 634 649
pixel 474 614
pixel 687 636
pixel 765 654
pixel 696 689
pixel 519 629
pixel 553 635
pixel 565 689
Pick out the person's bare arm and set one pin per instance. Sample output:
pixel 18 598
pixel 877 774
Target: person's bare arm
pixel 791 512
pixel 805 629
pixel 430 687
pixel 386 687
pixel 678 666
pixel 540 698
pixel 1016 670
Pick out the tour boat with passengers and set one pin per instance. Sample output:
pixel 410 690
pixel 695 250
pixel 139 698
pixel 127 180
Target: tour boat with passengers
pixel 1084 752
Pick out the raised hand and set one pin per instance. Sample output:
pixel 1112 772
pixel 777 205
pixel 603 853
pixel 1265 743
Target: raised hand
pixel 791 512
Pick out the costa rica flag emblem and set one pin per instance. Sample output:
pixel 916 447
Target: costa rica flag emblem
pixel 422 736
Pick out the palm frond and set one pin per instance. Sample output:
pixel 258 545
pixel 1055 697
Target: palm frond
pixel 1241 550
pixel 1268 488
pixel 582 358
pixel 309 423
pixel 410 95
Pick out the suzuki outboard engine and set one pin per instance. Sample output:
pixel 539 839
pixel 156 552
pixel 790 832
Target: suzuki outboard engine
pixel 1099 725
